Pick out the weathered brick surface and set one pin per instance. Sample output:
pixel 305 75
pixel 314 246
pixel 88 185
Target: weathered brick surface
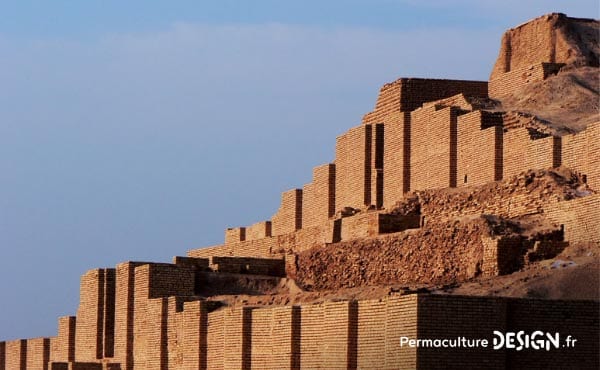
pixel 63 345
pixel 407 94
pixel 433 148
pixel 258 230
pixel 353 164
pixel 479 157
pixel 38 353
pixel 318 197
pixel 16 354
pixel 529 50
pixel 580 218
pixel 89 335
pixel 235 234
pixel 289 216
pixel 396 174
pixel 2 355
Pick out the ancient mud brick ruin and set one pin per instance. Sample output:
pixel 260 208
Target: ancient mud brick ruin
pixel 436 185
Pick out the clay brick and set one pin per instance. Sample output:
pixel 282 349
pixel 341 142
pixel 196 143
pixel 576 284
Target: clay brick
pixel 16 354
pixel 235 234
pixel 259 230
pixel 289 216
pixel 433 157
pixel 318 197
pixel 38 353
pixel 63 346
pixel 95 316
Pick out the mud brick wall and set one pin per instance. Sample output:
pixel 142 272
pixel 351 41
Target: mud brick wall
pixel 401 315
pixel 191 262
pixel 307 238
pixel 311 329
pixel 260 336
pixel 215 335
pixel 63 345
pixel 353 168
pixel 479 158
pixel 388 102
pixel 507 83
pixel 91 319
pixel 581 152
pixel 247 265
pixel 216 250
pixel 16 354
pixel 285 337
pixel 593 153
pixel 396 175
pixel 442 317
pixel 38 353
pixel 407 94
pixel 362 225
pixel 580 218
pixel 155 281
pixel 176 331
pixel 544 39
pixel 124 313
pixel 365 225
pixel 276 246
pixel 371 333
pixel 433 148
pixel 258 230
pixel 236 344
pixel 2 355
pixel 376 165
pixel 235 234
pixel 318 197
pixel 523 152
pixel 289 216
pixel 154 333
pixel 576 318
pixel 194 336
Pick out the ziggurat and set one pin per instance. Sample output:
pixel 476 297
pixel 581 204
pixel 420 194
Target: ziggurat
pixel 439 184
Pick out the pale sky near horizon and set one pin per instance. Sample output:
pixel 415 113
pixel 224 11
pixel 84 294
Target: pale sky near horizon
pixel 138 130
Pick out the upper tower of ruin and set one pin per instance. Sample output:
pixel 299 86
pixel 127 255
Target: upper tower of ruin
pixel 536 49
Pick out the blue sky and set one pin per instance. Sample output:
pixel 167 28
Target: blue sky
pixel 138 130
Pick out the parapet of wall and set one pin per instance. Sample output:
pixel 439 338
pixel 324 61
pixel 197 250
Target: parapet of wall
pixel 63 346
pixel 289 216
pixel 433 148
pixel 38 353
pixel 407 94
pixel 235 234
pixel 480 148
pixel 318 197
pixel 95 316
pixel 16 354
pixel 259 230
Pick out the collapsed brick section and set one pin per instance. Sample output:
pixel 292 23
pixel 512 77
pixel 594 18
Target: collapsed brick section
pixel 558 39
